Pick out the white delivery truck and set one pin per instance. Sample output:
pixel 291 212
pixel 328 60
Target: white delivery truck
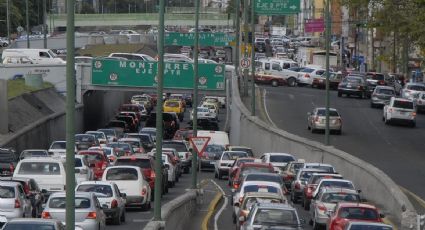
pixel 37 56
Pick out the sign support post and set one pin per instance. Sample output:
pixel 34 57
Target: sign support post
pixel 195 95
pixel 253 58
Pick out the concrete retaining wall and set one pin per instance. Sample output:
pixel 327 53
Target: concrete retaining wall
pixel 176 213
pixel 376 186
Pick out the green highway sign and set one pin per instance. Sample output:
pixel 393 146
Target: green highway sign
pixel 143 74
pixel 205 39
pixel 277 7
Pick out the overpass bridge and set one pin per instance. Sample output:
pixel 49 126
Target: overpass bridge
pixel 137 19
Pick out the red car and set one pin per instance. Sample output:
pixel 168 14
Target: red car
pixel 249 167
pixel 236 165
pixel 97 161
pixel 345 212
pixel 311 185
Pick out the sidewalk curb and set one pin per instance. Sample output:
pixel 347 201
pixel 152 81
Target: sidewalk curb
pixel 211 210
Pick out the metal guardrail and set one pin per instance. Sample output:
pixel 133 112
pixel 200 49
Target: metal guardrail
pixel 142 16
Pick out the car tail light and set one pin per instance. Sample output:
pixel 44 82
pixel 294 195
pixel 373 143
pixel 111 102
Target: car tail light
pixel 11 167
pixel 144 191
pixel 297 185
pixel 26 188
pixel 288 177
pixel 321 207
pixel 46 215
pixel 414 114
pixel 236 185
pixel 91 215
pixel 153 175
pixel 104 165
pixel 381 82
pixel 187 155
pixel 17 203
pixel 114 203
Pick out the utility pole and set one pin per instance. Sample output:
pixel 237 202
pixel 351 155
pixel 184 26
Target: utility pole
pixel 328 38
pixel 159 124
pixel 195 96
pixel 70 118
pixel 8 20
pixel 44 24
pixel 237 38
pixel 246 37
pixel 252 59
pixel 28 23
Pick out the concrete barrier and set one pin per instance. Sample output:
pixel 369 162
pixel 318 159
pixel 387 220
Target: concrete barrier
pixel 376 186
pixel 176 213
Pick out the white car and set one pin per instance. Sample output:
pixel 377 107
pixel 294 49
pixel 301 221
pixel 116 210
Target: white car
pixel 58 149
pixel 131 181
pixel 212 107
pixel 110 198
pixel 13 200
pixel 306 75
pixel 82 170
pixel 256 186
pixel 226 161
pixel 278 160
pixel 410 89
pixel 49 173
pixel 335 183
pixel 401 110
pixel 203 112
pixel 222 100
pixel 100 136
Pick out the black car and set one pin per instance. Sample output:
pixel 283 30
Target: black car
pixel 119 126
pixel 170 124
pixel 145 138
pixel 129 120
pixel 8 161
pixel 85 141
pixel 206 124
pixel 211 154
pixel 353 85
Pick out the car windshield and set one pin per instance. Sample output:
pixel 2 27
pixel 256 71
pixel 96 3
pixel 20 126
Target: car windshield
pixel 97 188
pixel 236 155
pixel 416 87
pixel 108 132
pixel 142 163
pixel 60 202
pixel 332 113
pixel 338 184
pixel 58 145
pixel 358 213
pixel 172 104
pixel 307 70
pixel 403 104
pixel 39 168
pixel 264 177
pixel 385 91
pixel 29 226
pixel 249 151
pixel 340 196
pixel 84 138
pixel 34 153
pixel 260 188
pixel 249 170
pixel 281 158
pixel 355 80
pixel 121 174
pixel 275 217
pixel 7 157
pixel 7 192
pixel 253 200
pixel 369 227
pixel 180 147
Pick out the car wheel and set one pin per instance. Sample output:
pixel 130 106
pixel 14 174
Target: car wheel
pixel 234 218
pixel 274 83
pixel 186 170
pixel 413 124
pixel 215 175
pixel 123 216
pixel 316 226
pixel 339 132
pixel 34 212
pixel 339 94
pixel 313 130
pixel 291 82
pixel 117 220
pixel 386 121
pixel 306 205
pixel 219 176
pixel 146 206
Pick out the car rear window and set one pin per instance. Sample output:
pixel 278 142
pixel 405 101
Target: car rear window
pixel 307 70
pixel 338 184
pixel 180 147
pixel 34 153
pixel 7 157
pixel 249 151
pixel 332 113
pixel 29 226
pixel 353 80
pixel 305 175
pixel 358 213
pixel 59 202
pixel 416 87
pixel 7 192
pixel 39 168
pixel 249 170
pixel 281 158
pixel 322 167
pixel 142 163
pixel 172 104
pixel 122 174
pixel 84 138
pixel 260 188
pixel 403 104
pixel 236 155
pixel 97 188
pixel 78 162
pixel 386 91
pixel 340 196
pixel 58 145
pixel 258 177
pixel 376 76
pixel 93 157
pixel 369 227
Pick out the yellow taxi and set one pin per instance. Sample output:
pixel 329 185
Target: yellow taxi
pixel 175 106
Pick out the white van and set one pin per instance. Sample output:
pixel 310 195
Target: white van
pixel 49 173
pixel 217 137
pixel 37 56
pixel 131 181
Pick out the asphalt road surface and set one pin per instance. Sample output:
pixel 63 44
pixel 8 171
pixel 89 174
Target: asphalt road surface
pixel 397 150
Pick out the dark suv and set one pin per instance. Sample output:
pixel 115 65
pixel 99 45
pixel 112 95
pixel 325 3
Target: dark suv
pixel 8 161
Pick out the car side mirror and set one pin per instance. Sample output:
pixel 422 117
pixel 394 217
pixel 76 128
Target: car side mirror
pixel 382 215
pixel 359 191
pixel 124 195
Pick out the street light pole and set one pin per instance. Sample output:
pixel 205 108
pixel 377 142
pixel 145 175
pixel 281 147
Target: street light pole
pixel 328 38
pixel 8 19
pixel 195 96
pixel 70 118
pixel 237 37
pixel 28 23
pixel 159 124
pixel 252 59
pixel 44 24
pixel 245 28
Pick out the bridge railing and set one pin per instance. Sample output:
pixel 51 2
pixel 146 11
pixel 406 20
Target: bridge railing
pixel 142 16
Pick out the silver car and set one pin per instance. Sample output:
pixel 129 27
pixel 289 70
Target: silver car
pixel 34 224
pixel 13 201
pixel 326 200
pixel 88 212
pixel 301 179
pixel 381 96
pixel 317 120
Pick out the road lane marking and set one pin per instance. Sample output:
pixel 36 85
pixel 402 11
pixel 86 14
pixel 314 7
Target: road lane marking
pixel 389 222
pixel 414 196
pixel 211 209
pixel 217 215
pixel 265 109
